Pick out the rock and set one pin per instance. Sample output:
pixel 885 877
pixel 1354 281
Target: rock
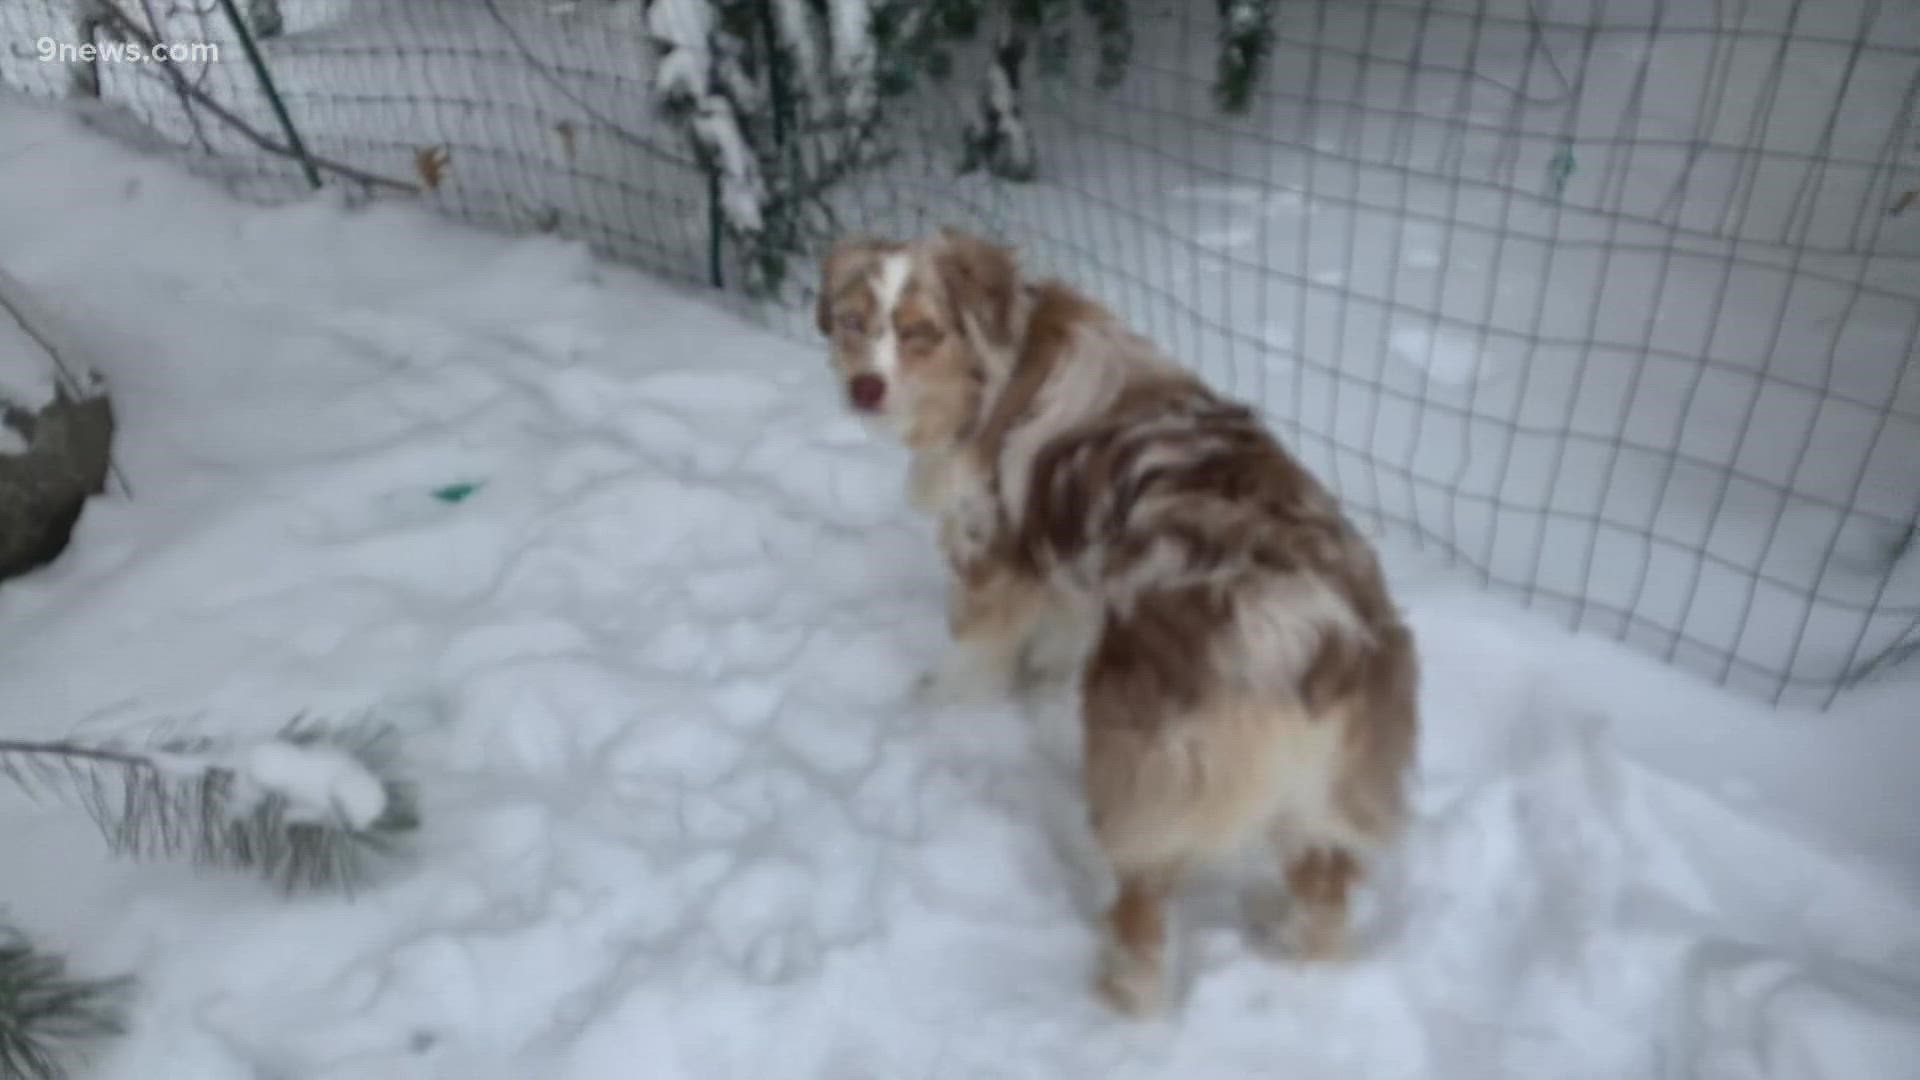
pixel 56 433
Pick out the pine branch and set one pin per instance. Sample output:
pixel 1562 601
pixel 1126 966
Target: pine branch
pixel 308 808
pixel 48 1017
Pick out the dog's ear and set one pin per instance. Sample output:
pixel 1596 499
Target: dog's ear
pixel 982 281
pixel 849 255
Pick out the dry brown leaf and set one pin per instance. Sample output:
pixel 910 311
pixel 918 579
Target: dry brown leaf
pixel 431 163
pixel 1906 200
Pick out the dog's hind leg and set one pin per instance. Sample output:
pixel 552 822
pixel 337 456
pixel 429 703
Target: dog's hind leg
pixel 1310 920
pixel 1334 833
pixel 1133 964
pixel 1163 800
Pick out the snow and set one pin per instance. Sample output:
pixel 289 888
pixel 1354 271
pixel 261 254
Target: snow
pixel 318 783
pixel 315 782
pixel 684 29
pixel 681 817
pixel 29 377
pixel 741 190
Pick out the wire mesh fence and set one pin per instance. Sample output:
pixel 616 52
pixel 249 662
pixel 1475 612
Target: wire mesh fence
pixel 1613 303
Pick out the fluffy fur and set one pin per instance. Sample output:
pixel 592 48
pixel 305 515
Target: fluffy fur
pixel 1244 674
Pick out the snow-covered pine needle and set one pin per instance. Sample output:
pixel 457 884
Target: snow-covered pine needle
pixel 693 81
pixel 48 1018
pixel 307 808
pixel 997 136
pixel 800 33
pixel 850 33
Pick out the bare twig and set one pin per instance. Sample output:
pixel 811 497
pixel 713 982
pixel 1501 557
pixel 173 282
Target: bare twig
pixel 186 104
pixel 117 21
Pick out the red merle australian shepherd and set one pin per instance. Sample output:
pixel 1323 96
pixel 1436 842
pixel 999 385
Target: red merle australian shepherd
pixel 1245 677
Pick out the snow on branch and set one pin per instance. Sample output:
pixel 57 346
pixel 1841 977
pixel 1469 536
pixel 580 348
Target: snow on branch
pixel 703 86
pixel 306 808
pixel 683 32
pixel 780 100
pixel 742 195
pixel 854 56
pixel 997 136
pixel 800 37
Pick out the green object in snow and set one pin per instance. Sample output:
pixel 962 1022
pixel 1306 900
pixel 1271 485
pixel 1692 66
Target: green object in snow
pixel 454 493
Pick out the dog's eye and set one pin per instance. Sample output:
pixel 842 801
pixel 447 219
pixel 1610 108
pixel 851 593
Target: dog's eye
pixel 920 335
pixel 851 323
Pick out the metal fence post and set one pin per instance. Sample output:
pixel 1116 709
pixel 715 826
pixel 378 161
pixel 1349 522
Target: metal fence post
pixel 260 72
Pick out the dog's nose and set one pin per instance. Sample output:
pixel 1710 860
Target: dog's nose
pixel 866 391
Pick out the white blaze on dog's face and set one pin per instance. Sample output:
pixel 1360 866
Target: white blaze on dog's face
pixel 897 317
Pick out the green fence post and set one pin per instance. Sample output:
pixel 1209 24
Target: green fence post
pixel 260 72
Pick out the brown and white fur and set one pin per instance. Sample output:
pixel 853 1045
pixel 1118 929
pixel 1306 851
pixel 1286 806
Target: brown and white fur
pixel 1246 676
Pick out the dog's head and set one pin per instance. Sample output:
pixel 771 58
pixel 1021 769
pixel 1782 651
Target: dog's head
pixel 918 329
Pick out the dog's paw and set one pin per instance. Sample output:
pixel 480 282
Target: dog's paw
pixel 1131 986
pixel 1302 934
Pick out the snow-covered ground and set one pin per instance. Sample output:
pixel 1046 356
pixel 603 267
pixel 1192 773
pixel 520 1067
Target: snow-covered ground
pixel 680 819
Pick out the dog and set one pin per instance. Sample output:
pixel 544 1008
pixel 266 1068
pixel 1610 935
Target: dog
pixel 1245 677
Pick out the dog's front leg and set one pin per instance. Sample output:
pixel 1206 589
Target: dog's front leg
pixel 931 481
pixel 993 611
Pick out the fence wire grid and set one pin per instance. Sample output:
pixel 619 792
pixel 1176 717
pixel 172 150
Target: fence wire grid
pixel 1613 303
